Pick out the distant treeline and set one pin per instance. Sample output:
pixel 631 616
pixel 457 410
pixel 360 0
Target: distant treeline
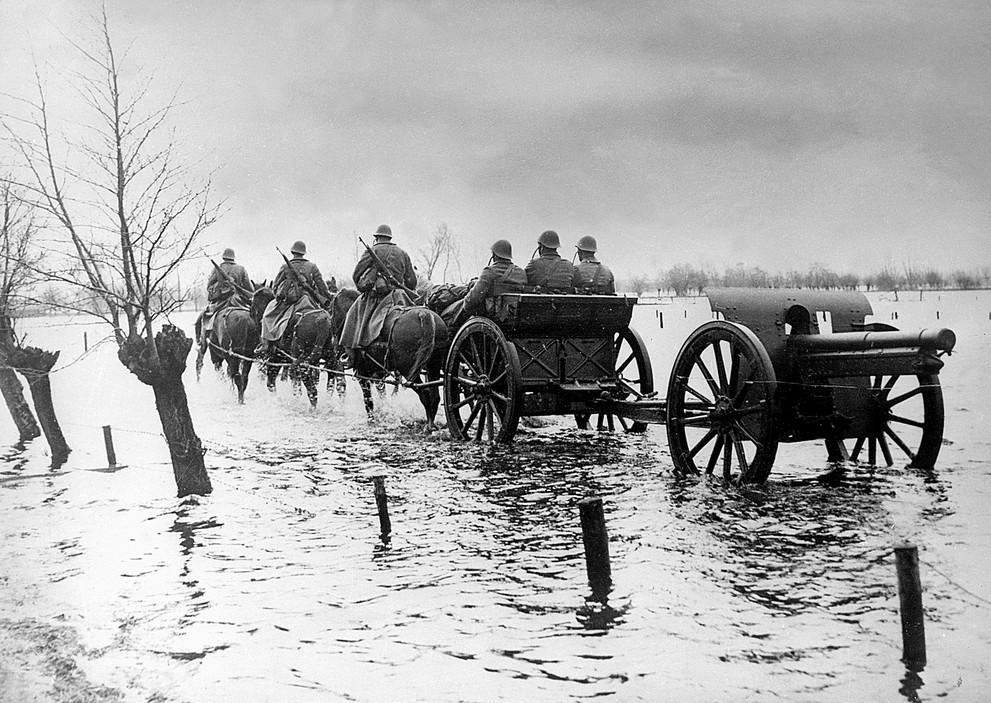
pixel 686 279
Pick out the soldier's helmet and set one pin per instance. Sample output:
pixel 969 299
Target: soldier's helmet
pixel 549 239
pixel 228 254
pixel 586 243
pixel 384 231
pixel 503 249
pixel 298 247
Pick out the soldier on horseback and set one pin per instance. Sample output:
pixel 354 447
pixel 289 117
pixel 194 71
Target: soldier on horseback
pixel 548 272
pixel 298 287
pixel 385 279
pixel 590 275
pixel 226 285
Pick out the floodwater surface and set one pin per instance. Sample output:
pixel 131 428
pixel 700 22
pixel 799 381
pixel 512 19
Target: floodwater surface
pixel 279 587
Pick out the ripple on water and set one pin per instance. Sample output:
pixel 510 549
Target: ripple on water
pixel 278 585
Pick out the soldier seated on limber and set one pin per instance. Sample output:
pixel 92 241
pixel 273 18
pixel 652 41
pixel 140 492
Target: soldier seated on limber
pixel 591 277
pixel 291 295
pixel 500 276
pixel 548 272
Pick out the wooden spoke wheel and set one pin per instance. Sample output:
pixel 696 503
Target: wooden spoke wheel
pixel 721 404
pixel 906 420
pixel 483 385
pixel 635 376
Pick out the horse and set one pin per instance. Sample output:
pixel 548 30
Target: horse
pixel 232 339
pixel 413 344
pixel 308 345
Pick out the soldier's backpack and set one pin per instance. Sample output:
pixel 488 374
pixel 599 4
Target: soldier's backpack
pixel 290 290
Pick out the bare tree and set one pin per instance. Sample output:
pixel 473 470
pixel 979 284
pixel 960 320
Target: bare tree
pixel 16 230
pixel 428 256
pixel 127 216
pixel 444 250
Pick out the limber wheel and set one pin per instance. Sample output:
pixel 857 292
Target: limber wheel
pixel 720 404
pixel 483 385
pixel 635 376
pixel 906 419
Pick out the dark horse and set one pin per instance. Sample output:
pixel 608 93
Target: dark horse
pixel 304 347
pixel 413 344
pixel 232 338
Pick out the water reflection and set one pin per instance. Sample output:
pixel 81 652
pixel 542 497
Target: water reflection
pixel 788 548
pixel 597 614
pixel 187 527
pixel 911 683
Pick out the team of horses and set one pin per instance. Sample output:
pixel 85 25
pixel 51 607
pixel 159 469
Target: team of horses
pixel 412 346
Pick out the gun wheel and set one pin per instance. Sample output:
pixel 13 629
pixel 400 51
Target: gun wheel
pixel 721 405
pixel 906 420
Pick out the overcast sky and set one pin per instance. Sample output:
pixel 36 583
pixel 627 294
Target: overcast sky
pixel 771 133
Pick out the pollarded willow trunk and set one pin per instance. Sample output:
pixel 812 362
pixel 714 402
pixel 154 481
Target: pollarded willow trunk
pixel 20 412
pixel 164 375
pixel 35 365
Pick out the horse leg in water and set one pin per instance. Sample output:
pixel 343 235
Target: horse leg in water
pixel 242 333
pixel 430 396
pixel 417 346
pixel 336 381
pixel 200 345
pixel 241 377
pixel 366 394
pixel 272 368
pixel 233 373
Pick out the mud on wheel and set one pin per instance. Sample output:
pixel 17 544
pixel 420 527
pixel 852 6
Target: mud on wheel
pixel 721 405
pixel 483 385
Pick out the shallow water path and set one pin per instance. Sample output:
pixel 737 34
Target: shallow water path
pixel 279 587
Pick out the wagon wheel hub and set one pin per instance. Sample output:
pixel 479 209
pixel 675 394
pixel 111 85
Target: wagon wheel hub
pixel 482 385
pixel 722 410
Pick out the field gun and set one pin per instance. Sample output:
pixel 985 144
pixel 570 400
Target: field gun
pixel 792 365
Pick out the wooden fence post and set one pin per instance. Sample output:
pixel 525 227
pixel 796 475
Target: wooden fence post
pixel 108 441
pixel 910 602
pixel 596 545
pixel 382 502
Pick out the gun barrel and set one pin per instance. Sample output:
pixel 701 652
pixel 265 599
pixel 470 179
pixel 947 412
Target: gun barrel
pixel 941 339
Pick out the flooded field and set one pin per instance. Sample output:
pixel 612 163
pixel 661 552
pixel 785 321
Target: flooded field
pixel 277 587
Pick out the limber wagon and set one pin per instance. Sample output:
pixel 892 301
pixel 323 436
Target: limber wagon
pixel 778 365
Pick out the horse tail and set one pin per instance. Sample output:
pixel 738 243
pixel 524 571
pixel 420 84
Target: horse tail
pixel 425 348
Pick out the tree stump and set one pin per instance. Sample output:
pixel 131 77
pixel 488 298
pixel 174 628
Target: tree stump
pixel 35 365
pixel 20 412
pixel 161 368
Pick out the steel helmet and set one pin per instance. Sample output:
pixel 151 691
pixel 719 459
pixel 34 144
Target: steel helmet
pixel 228 254
pixel 298 247
pixel 503 249
pixel 384 231
pixel 549 239
pixel 586 243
